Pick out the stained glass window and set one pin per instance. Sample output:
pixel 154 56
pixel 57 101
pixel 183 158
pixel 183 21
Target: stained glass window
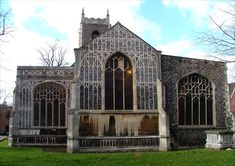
pixel 195 100
pixel 49 105
pixel 118 83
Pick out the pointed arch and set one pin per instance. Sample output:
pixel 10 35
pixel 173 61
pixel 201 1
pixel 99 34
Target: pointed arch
pixel 118 83
pixel 49 105
pixel 195 100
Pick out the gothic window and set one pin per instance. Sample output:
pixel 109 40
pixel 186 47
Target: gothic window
pixel 49 105
pixel 94 34
pixel 118 83
pixel 195 101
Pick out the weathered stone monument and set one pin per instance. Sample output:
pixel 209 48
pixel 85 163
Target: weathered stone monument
pixel 222 139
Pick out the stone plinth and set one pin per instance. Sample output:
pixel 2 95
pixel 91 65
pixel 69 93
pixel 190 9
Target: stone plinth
pixel 219 139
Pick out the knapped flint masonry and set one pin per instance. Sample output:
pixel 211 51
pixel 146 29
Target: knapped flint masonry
pixel 120 94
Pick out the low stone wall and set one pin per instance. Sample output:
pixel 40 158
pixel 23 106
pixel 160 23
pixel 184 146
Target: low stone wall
pixel 114 144
pixel 39 140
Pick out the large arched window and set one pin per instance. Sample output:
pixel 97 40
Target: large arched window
pixel 118 83
pixel 49 105
pixel 195 101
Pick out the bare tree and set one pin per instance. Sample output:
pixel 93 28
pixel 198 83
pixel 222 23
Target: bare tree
pixel 5 28
pixel 221 39
pixel 53 54
pixel 4 95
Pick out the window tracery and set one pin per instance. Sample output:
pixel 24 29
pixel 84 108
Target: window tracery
pixel 93 60
pixel 195 101
pixel 118 83
pixel 49 105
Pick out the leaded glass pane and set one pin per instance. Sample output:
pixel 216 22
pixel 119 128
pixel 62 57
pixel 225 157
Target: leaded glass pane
pixel 118 83
pixel 109 89
pixel 195 111
pixel 99 97
pixel 56 110
pixel 202 110
pixel 128 85
pixel 91 97
pixel 142 103
pixel 62 114
pixel 196 93
pixel 49 114
pixel 119 89
pixel 43 112
pixel 188 109
pixel 86 98
pixel 47 98
pixel 36 113
pixel 81 97
pixel 95 103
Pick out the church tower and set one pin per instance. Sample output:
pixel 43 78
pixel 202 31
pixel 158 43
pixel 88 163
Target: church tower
pixel 92 27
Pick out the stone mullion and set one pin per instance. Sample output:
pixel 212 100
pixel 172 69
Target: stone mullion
pixel 20 104
pixel 95 102
pixel 152 82
pixel 46 102
pixel 144 83
pixel 52 114
pixel 23 109
pixel 93 97
pixel 83 97
pixel 27 108
pixel 113 86
pixel 206 107
pixel 140 86
pixel 184 110
pixel 89 82
pixel 82 84
pixel 192 109
pixel 123 89
pixel 199 110
pixel 30 107
pixel 153 96
pixel 59 111
pixel 39 112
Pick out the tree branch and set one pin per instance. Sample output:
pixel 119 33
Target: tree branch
pixel 53 54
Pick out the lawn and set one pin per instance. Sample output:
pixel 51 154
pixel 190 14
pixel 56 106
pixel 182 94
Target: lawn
pixel 35 156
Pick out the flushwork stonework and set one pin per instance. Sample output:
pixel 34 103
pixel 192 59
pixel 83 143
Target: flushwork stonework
pixel 120 94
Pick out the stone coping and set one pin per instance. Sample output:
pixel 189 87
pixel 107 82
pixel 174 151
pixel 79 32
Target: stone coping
pixel 70 111
pixel 226 131
pixel 43 67
pixel 113 137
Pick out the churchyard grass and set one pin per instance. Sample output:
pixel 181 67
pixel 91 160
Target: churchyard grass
pixel 35 156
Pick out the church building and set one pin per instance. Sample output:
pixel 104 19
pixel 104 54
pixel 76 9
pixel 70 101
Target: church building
pixel 120 94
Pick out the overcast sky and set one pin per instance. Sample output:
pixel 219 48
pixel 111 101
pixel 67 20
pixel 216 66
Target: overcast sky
pixel 167 25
